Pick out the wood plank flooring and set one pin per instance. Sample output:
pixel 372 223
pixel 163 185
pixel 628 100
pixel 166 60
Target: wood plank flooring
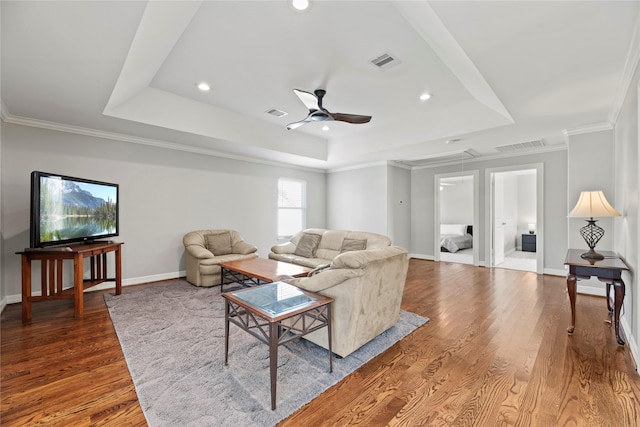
pixel 495 353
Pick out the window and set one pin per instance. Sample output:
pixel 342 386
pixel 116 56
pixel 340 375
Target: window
pixel 291 207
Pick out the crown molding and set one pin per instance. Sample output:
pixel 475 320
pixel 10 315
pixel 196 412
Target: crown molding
pixel 359 166
pixel 596 127
pixel 59 127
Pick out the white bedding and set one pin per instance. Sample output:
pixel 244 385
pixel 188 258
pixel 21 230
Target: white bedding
pixel 454 242
pixel 454 237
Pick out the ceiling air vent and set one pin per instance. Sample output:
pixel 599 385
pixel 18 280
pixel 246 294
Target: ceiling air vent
pixel 521 146
pixel 276 112
pixel 385 61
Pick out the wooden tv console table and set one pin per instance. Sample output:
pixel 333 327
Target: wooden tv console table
pixel 51 261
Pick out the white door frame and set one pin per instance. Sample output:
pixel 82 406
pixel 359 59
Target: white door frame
pixel 489 207
pixel 475 174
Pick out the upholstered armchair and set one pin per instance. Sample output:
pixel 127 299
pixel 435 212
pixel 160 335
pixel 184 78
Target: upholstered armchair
pixel 367 288
pixel 206 249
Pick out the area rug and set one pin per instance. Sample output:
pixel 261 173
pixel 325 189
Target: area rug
pixel 172 336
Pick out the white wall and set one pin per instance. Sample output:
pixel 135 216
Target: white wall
pixel 3 294
pixel 163 195
pixel 399 206
pixel 456 201
pixel 590 168
pixel 358 199
pixel 555 195
pixel 626 230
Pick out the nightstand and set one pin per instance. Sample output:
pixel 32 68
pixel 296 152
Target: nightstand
pixel 528 242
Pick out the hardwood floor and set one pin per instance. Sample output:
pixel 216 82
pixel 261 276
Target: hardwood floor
pixel 495 353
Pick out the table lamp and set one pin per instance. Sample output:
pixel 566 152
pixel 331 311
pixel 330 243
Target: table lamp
pixel 592 204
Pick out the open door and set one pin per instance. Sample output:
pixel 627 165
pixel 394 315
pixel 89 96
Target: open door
pixel 515 215
pixel 498 220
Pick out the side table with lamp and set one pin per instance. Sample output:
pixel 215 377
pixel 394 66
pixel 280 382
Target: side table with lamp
pixel 606 266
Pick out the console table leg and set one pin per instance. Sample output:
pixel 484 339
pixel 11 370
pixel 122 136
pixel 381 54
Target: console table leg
pixel 78 285
pixel 26 289
pixel 118 259
pixel 571 290
pixel 619 289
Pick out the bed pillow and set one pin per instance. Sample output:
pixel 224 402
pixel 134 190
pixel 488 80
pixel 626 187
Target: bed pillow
pixel 455 229
pixel 307 245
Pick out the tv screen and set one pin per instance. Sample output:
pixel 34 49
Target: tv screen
pixel 67 210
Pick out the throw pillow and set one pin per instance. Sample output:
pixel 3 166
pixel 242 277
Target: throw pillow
pixel 220 243
pixel 353 245
pixel 307 245
pixel 319 269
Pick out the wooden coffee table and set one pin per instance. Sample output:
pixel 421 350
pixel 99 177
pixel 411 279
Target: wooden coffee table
pixel 262 311
pixel 257 271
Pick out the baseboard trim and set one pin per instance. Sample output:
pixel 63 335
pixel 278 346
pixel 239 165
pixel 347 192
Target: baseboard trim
pixel 633 345
pixel 420 256
pixel 14 299
pixel 555 272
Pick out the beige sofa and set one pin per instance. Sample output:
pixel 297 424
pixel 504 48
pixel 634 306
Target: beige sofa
pixel 367 286
pixel 206 249
pixel 317 246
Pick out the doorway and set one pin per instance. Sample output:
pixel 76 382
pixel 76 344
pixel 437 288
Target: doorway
pixel 515 221
pixel 456 217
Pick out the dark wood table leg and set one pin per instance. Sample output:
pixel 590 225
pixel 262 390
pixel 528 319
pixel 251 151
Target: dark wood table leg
pixel 571 290
pixel 328 308
pixel 223 274
pixel 26 289
pixel 78 284
pixel 118 257
pixel 226 332
pixel 619 289
pixel 273 360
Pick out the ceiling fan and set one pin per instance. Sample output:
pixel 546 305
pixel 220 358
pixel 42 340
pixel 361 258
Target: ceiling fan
pixel 317 113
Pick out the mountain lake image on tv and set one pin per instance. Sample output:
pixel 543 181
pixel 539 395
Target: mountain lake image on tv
pixel 66 209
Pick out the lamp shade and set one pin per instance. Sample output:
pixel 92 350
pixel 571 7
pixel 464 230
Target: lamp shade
pixel 592 204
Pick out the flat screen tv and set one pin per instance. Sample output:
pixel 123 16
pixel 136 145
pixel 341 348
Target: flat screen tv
pixel 66 210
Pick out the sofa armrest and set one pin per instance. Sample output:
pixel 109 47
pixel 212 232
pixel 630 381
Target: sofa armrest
pixel 199 252
pixel 359 259
pixel 243 248
pixel 325 280
pixel 284 248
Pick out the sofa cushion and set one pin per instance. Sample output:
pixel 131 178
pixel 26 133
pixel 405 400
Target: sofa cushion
pixel 353 245
pixel 219 243
pixel 307 245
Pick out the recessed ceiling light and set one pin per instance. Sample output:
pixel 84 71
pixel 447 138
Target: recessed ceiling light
pixel 203 86
pixel 425 96
pixel 325 128
pixel 300 4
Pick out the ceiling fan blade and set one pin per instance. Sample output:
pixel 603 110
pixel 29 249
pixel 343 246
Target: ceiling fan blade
pixel 308 99
pixel 295 125
pixel 351 118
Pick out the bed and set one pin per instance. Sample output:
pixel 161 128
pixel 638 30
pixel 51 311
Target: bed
pixel 454 237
